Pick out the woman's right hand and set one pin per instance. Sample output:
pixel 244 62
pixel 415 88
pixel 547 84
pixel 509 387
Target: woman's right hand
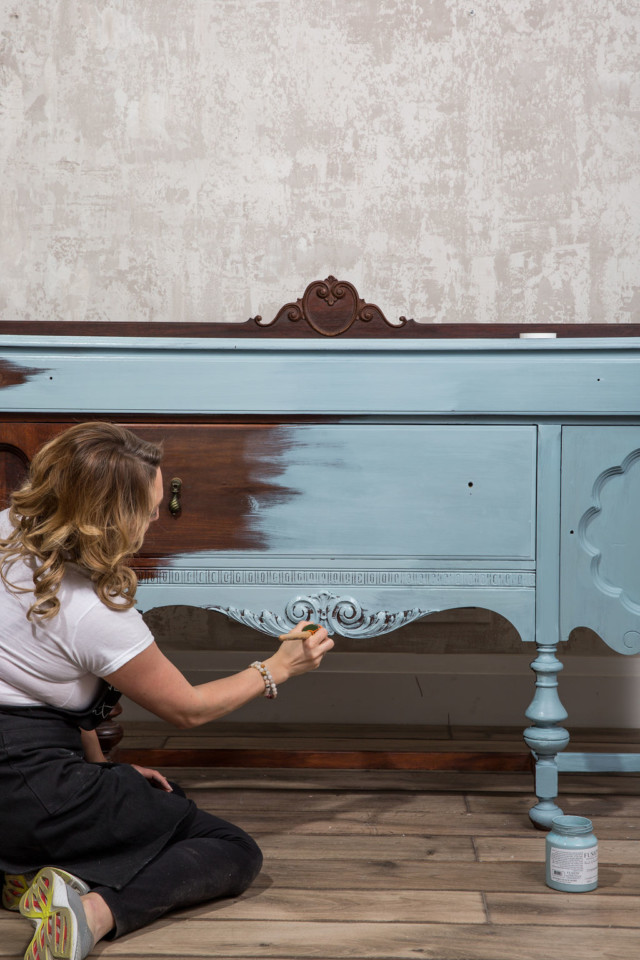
pixel 299 652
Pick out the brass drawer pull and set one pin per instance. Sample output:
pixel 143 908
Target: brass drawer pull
pixel 175 507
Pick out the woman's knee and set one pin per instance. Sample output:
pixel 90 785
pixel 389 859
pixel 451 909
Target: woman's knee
pixel 257 858
pixel 251 866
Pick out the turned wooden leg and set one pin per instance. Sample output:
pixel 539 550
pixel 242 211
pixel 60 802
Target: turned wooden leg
pixel 545 738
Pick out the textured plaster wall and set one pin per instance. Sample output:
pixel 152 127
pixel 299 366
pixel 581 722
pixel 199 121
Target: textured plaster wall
pixel 193 160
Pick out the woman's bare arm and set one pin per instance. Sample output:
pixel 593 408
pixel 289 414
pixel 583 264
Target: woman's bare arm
pixel 153 682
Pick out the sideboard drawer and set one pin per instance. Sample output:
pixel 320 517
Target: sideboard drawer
pixel 339 489
pixel 346 489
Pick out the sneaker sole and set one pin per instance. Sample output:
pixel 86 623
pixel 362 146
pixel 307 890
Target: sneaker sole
pixel 55 908
pixel 53 937
pixel 13 889
pixel 35 901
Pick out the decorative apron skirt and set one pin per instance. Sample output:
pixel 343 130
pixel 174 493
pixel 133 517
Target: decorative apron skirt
pixel 101 821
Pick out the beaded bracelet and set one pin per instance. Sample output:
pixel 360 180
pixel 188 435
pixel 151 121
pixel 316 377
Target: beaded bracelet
pixel 270 689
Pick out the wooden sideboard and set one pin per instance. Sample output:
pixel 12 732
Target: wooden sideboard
pixel 339 468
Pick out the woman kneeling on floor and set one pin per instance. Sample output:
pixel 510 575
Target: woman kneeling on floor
pixel 125 845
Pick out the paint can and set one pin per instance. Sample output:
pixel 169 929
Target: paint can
pixel 571 855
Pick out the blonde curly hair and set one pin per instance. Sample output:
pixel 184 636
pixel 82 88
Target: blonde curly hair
pixel 88 500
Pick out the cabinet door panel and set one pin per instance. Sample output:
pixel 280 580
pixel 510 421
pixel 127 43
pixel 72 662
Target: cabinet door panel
pixel 600 542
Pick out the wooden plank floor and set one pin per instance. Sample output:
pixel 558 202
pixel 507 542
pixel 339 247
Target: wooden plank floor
pixel 386 864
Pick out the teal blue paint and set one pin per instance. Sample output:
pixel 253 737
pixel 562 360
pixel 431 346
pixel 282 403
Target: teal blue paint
pixel 571 855
pixel 342 477
pixel 599 762
pixel 546 738
pixel 496 377
pixel 599 547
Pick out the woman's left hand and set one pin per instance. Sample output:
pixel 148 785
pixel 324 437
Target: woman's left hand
pixel 155 776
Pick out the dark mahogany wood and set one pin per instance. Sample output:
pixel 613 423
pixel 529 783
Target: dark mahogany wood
pixel 292 331
pixel 11 375
pixel 14 466
pixel 329 759
pixel 110 732
pixel 223 466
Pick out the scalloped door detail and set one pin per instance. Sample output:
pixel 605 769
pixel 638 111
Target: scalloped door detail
pixel 600 541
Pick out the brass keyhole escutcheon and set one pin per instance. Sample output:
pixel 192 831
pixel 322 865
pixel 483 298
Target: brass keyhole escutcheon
pixel 175 506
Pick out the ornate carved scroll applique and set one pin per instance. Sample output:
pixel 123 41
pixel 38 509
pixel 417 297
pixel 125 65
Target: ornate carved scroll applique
pixel 331 307
pixel 344 616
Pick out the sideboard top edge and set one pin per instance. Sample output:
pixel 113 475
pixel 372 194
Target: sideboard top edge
pixel 258 346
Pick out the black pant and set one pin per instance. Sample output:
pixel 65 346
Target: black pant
pixel 212 858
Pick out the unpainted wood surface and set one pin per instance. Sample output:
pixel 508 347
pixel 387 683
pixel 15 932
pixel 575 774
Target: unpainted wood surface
pixel 237 330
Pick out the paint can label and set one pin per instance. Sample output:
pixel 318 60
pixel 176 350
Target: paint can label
pixel 574 866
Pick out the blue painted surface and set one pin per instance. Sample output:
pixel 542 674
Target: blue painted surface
pixel 377 522
pixel 278 377
pixel 601 533
pixel 571 762
pixel 341 479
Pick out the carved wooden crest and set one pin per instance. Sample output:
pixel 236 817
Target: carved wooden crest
pixel 331 307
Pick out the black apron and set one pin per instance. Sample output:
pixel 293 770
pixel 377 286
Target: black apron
pixel 101 821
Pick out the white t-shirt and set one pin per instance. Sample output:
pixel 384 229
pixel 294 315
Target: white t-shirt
pixel 59 661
